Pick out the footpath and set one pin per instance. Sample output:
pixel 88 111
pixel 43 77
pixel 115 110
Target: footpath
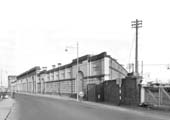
pixel 5 108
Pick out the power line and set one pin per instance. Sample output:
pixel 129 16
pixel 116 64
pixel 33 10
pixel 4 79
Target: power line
pixel 130 65
pixel 156 64
pixel 131 49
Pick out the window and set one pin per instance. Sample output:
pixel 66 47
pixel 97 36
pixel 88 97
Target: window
pixel 57 76
pixel 69 74
pixel 48 77
pixel 63 76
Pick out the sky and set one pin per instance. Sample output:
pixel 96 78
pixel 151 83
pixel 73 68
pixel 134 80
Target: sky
pixel 36 33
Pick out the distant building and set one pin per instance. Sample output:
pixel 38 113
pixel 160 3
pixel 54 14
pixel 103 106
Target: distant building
pixel 27 81
pixel 11 80
pixel 62 80
pixel 2 89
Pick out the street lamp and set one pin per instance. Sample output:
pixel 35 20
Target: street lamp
pixel 53 67
pixel 76 83
pixel 53 84
pixel 59 64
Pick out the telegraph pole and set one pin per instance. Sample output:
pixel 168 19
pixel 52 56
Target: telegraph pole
pixel 142 68
pixel 1 76
pixel 136 24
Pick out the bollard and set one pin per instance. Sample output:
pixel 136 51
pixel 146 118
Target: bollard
pixel 81 94
pixel 13 94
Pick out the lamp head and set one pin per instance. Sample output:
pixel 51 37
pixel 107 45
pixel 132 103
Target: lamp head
pixel 59 63
pixel 66 50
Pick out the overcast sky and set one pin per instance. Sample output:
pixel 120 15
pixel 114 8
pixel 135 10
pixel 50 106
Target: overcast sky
pixel 36 32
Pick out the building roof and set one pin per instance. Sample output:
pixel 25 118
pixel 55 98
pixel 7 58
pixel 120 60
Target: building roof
pixel 42 72
pixel 74 62
pixel 28 71
pixel 12 76
pixel 83 58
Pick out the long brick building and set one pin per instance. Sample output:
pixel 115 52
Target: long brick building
pixel 93 69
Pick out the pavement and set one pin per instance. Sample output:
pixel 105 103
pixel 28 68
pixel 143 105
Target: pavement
pixel 6 107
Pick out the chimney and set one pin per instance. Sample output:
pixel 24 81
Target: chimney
pixel 44 68
pixel 53 66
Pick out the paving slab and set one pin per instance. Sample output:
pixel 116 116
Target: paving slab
pixel 5 108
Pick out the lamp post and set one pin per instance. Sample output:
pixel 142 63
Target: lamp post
pixel 53 67
pixel 53 84
pixel 1 77
pixel 77 70
pixel 59 64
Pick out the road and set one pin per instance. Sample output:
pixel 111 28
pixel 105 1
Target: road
pixel 40 108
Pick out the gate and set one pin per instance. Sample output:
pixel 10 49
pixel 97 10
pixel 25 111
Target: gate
pixel 91 92
pixel 157 95
pixel 95 92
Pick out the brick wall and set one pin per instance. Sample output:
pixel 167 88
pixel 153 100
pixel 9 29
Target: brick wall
pixel 60 87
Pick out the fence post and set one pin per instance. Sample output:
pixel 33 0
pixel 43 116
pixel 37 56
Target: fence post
pixel 142 94
pixel 161 102
pixel 159 96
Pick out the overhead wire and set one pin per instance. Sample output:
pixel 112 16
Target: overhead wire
pixel 131 49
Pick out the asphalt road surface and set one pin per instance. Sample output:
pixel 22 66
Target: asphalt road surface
pixel 40 108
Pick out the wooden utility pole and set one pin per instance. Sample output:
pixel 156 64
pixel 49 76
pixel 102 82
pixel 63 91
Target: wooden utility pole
pixel 142 68
pixel 1 77
pixel 136 24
